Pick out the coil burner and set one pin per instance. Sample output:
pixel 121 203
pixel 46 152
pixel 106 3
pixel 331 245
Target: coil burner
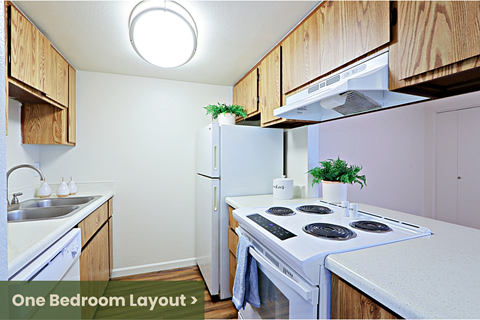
pixel 280 211
pixel 329 231
pixel 371 226
pixel 315 209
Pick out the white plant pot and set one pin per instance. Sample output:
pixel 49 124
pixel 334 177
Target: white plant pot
pixel 334 191
pixel 226 118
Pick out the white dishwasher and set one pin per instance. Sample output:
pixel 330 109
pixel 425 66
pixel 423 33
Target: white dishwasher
pixel 59 262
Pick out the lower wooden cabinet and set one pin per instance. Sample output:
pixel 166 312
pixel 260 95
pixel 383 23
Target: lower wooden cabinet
pixel 232 246
pixel 96 259
pixel 350 303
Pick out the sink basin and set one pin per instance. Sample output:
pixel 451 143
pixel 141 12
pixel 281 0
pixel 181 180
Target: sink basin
pixel 53 202
pixel 30 214
pixel 49 208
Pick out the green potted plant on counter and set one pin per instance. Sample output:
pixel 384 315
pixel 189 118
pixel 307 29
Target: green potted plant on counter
pixel 225 113
pixel 334 175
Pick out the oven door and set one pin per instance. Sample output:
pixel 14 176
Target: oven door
pixel 281 297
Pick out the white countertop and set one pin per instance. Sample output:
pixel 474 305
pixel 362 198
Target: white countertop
pixel 266 200
pixel 429 277
pixel 26 240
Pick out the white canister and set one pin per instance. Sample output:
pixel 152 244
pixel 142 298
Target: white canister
pixel 283 188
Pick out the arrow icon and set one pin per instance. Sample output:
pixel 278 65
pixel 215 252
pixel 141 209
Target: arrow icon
pixel 193 300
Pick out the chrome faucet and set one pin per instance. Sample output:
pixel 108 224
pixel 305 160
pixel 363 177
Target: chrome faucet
pixel 42 177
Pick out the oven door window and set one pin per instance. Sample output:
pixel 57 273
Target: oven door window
pixel 273 303
pixel 281 297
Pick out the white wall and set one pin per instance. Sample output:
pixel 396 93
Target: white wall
pixel 296 157
pixel 18 153
pixel 390 146
pixel 140 133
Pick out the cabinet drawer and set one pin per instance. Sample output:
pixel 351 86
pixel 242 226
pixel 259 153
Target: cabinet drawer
pixel 231 220
pixel 93 222
pixel 232 241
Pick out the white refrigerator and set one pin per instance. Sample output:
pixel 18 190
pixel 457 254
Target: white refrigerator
pixel 232 160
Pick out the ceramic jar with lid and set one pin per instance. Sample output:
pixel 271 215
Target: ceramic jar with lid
pixel 283 188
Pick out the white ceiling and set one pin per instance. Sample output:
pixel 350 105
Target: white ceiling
pixel 232 36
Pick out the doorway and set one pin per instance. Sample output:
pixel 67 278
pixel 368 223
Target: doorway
pixel 458 166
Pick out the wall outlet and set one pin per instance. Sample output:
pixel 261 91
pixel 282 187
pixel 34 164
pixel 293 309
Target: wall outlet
pixel 36 165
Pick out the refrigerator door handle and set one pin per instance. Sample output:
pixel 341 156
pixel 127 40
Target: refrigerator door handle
pixel 215 199
pixel 215 158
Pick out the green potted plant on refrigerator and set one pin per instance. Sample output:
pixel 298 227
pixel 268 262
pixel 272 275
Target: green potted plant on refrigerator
pixel 225 113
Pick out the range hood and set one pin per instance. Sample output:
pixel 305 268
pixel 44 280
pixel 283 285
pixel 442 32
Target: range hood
pixel 353 90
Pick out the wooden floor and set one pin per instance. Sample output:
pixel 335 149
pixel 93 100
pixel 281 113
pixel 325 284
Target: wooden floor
pixel 213 310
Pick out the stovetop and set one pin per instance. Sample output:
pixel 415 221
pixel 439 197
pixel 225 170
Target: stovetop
pixel 285 237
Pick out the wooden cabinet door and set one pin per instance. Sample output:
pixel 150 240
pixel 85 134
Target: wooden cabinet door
pixel 58 71
pixel 43 55
pixel 94 260
pixel 110 246
pixel 245 93
pixel 433 34
pixel 72 105
pixel 23 46
pixel 43 124
pixel 335 34
pixel 94 266
pixel 269 86
pixel 348 302
pixel 300 51
pixel 351 29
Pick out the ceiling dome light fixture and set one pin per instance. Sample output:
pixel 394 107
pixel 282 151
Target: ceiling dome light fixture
pixel 163 33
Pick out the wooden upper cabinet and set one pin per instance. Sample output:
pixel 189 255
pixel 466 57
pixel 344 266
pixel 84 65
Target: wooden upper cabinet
pixel 351 29
pixel 34 61
pixel 269 86
pixel 43 54
pixel 300 51
pixel 433 34
pixel 58 78
pixel 336 33
pixel 23 49
pixel 72 106
pixel 245 93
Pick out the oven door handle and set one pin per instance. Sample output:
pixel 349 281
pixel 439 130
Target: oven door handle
pixel 303 291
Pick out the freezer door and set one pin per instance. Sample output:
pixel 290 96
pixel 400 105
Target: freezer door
pixel 207 231
pixel 208 151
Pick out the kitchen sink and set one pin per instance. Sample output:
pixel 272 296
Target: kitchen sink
pixel 41 213
pixel 53 202
pixel 48 208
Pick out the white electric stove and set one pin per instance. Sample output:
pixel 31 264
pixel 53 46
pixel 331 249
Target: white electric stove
pixel 291 243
